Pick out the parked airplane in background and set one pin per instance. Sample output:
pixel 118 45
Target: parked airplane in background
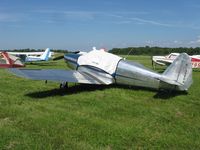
pixel 43 57
pixel 103 68
pixel 9 61
pixel 167 60
pixel 30 53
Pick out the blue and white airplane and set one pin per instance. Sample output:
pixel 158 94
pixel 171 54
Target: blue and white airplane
pixel 43 57
pixel 36 53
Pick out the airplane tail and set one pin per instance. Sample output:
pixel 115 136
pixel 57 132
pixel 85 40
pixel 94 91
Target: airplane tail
pixel 45 55
pixel 179 73
pixel 10 61
pixel 7 58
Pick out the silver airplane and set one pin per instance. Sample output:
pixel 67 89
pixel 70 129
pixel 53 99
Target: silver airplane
pixel 103 68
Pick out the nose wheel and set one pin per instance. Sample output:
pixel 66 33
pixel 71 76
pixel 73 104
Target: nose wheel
pixel 64 85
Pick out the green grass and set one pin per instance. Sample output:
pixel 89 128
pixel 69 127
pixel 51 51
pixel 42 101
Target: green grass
pixel 35 115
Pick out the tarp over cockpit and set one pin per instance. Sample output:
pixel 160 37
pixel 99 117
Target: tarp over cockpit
pixel 100 59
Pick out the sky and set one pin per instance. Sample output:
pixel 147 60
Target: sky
pixel 82 24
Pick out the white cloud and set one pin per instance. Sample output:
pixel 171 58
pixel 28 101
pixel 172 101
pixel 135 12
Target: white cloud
pixel 192 42
pixel 82 15
pixel 91 14
pixel 123 22
pixel 114 17
pixel 140 20
pixel 11 17
pixel 197 41
pixel 176 41
pixel 6 17
pixel 149 42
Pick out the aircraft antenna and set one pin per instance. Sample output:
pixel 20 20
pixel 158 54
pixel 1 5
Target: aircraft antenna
pixel 129 53
pixel 118 53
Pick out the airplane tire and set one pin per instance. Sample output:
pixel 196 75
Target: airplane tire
pixel 64 85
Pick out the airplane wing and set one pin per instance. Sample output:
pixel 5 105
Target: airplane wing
pixel 56 75
pixel 166 62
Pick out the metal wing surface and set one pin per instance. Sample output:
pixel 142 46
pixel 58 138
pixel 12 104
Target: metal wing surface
pixel 167 62
pixel 59 76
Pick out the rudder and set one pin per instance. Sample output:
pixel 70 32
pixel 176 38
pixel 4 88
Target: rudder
pixel 180 72
pixel 45 55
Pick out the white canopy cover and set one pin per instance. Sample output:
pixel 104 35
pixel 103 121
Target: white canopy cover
pixel 100 59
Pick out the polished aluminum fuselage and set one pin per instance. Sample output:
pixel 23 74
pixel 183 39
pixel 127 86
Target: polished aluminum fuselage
pixel 127 73
pixel 177 77
pixel 130 73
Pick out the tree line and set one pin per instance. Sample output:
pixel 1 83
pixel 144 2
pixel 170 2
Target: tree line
pixel 154 50
pixel 147 50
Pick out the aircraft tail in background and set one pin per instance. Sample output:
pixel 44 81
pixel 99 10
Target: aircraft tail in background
pixel 45 55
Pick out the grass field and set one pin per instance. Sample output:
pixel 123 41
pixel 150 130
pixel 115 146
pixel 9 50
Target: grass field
pixel 35 115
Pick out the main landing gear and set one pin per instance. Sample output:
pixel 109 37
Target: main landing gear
pixel 64 85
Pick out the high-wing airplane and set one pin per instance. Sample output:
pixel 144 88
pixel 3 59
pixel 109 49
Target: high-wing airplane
pixel 167 60
pixel 103 68
pixel 43 57
pixel 9 61
pixel 30 53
